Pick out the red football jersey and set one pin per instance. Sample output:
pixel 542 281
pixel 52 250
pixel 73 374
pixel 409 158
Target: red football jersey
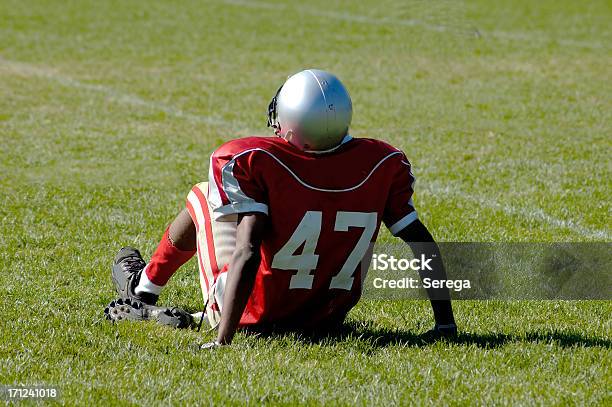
pixel 324 211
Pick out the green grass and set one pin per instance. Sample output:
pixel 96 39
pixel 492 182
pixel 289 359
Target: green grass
pixel 108 111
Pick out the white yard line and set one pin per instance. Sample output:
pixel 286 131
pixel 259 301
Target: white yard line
pixel 24 69
pixel 466 30
pixel 338 15
pixel 537 214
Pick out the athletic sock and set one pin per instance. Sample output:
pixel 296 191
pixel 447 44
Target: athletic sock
pixel 164 262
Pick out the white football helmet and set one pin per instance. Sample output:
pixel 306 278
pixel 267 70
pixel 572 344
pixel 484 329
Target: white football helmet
pixel 312 110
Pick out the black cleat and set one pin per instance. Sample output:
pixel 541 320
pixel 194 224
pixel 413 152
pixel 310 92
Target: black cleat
pixel 127 268
pixel 131 310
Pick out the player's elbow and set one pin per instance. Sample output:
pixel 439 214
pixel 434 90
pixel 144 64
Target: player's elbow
pixel 416 232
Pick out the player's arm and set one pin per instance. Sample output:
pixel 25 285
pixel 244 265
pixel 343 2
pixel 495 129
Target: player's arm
pixel 421 242
pixel 241 275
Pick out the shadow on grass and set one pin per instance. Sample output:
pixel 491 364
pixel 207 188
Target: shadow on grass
pixel 372 336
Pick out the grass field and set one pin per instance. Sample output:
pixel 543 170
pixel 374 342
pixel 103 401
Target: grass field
pixel 108 111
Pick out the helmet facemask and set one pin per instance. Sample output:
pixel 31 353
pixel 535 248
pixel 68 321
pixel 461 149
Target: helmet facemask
pixel 273 113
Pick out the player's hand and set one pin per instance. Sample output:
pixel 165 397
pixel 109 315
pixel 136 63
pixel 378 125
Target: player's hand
pixel 211 345
pixel 446 331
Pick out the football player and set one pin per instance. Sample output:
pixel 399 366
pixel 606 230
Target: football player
pixel 284 224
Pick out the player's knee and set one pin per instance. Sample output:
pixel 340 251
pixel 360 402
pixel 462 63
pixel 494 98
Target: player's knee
pixel 182 232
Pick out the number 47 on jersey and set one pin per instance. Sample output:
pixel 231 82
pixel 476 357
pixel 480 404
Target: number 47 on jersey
pixel 307 234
